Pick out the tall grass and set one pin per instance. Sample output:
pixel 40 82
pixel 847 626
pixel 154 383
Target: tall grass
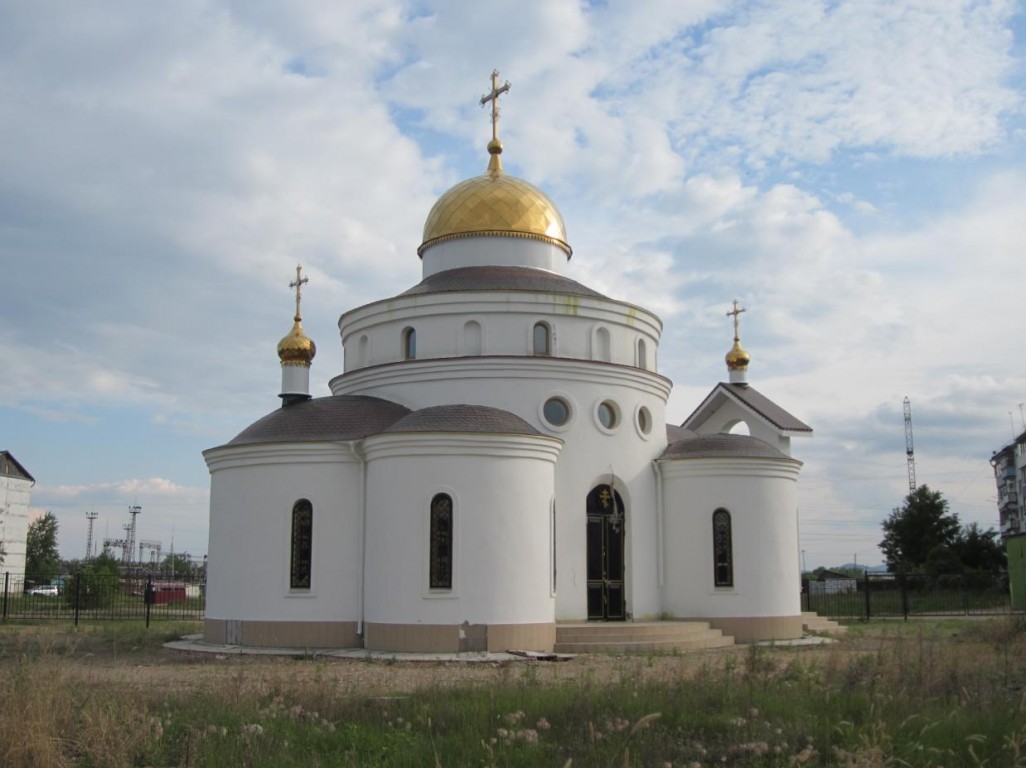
pixel 950 694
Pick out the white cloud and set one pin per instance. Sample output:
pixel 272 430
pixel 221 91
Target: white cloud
pixel 166 169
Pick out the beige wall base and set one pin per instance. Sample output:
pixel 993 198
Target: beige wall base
pixel 749 629
pixel 282 634
pixel 447 638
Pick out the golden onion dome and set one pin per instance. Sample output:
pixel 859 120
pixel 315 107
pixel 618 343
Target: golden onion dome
pixel 737 358
pixel 296 348
pixel 494 205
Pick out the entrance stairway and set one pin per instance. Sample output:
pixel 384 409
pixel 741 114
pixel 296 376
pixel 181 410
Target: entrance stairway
pixel 638 637
pixel 816 624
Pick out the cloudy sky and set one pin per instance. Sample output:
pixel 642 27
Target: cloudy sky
pixel 852 172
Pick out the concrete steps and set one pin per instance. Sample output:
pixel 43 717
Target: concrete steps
pixel 638 637
pixel 814 623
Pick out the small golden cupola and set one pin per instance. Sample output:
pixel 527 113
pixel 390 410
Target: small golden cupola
pixel 494 204
pixel 737 358
pixel 296 352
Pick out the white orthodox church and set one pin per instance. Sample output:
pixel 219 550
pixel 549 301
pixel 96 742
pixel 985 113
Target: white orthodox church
pixel 494 461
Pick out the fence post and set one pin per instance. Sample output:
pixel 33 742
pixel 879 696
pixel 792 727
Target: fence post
pixel 7 584
pixel 78 594
pixel 904 595
pixel 868 611
pixel 965 593
pixel 148 597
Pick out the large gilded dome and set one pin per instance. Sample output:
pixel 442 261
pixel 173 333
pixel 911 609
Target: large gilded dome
pixel 494 205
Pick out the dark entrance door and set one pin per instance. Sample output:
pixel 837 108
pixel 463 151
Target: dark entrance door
pixel 606 599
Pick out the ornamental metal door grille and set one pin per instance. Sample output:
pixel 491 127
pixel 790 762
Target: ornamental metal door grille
pixel 606 537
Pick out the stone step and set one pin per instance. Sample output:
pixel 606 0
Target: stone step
pixel 638 637
pixel 611 630
pixel 646 646
pixel 813 622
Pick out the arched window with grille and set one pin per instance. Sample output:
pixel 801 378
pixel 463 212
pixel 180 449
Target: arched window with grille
pixel 301 563
pixel 541 340
pixel 723 549
pixel 410 344
pixel 440 576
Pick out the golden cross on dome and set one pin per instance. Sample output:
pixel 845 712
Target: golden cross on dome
pixel 493 97
pixel 298 285
pixel 738 309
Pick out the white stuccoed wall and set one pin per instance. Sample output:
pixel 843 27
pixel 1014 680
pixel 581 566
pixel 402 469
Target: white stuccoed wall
pixel 493 252
pixel 588 456
pixel 252 491
pixel 760 496
pixel 506 319
pixel 501 487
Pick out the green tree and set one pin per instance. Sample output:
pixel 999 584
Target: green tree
pixel 96 583
pixel 980 550
pixel 41 558
pixel 178 564
pixel 921 525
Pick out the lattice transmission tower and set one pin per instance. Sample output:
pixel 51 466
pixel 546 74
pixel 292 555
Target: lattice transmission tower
pixel 910 454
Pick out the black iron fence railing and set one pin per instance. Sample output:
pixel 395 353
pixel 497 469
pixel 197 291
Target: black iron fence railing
pixel 904 595
pixel 85 596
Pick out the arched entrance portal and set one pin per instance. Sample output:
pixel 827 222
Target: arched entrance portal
pixel 606 526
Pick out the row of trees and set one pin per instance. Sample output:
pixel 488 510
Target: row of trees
pixel 924 535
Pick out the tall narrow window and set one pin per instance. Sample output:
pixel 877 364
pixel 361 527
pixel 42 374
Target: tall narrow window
pixel 642 361
pixel 441 542
pixel 363 355
pixel 723 554
pixel 472 338
pixel 542 340
pixel 602 345
pixel 302 545
pixel 410 344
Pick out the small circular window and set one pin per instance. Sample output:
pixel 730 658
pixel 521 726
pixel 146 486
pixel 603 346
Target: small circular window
pixel 644 420
pixel 607 414
pixel 556 411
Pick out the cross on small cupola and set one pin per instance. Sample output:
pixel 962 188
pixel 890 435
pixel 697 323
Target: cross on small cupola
pixel 737 358
pixel 495 146
pixel 298 285
pixel 296 351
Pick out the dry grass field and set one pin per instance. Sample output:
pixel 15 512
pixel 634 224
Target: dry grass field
pixel 926 693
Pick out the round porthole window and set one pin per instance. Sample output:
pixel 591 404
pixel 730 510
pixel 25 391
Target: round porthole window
pixel 608 415
pixel 556 411
pixel 644 420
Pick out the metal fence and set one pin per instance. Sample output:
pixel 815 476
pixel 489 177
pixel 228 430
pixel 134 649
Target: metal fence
pixel 92 597
pixel 904 595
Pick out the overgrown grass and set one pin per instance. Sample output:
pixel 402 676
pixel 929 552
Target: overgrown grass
pixel 945 693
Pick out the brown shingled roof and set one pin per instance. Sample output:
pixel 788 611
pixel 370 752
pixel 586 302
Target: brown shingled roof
pixel 500 279
pixel 338 417
pixel 757 402
pixel 463 418
pixel 722 446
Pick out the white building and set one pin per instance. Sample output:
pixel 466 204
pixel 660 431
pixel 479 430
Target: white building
pixel 15 490
pixel 493 460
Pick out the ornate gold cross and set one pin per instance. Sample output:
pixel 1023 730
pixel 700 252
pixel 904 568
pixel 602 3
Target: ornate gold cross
pixel 493 97
pixel 738 309
pixel 298 285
